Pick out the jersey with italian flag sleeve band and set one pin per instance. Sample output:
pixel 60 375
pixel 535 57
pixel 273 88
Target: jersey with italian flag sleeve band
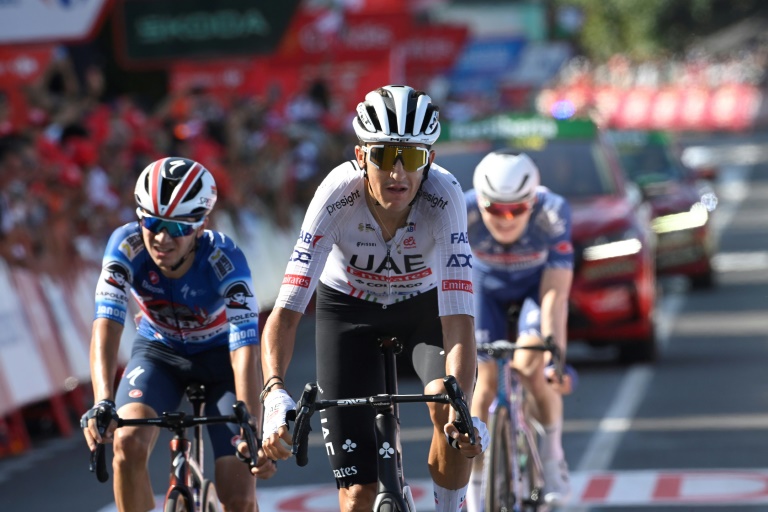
pixel 211 305
pixel 342 245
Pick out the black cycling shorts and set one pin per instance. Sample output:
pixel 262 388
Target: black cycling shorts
pixel 157 376
pixel 350 365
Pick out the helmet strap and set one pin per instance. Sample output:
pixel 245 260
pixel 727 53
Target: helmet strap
pixel 184 258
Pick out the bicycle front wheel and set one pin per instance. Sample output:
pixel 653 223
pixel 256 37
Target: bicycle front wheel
pixel 178 501
pixel 209 500
pixel 499 466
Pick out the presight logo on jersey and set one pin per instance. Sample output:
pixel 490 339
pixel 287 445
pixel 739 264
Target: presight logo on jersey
pixel 237 295
pixel 222 265
pixel 117 275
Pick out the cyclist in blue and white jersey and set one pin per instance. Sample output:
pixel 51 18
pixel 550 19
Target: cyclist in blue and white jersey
pixel 198 324
pixel 384 243
pixel 520 233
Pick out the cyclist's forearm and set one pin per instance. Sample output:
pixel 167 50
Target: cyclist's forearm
pixel 105 343
pixel 246 365
pixel 460 351
pixel 556 286
pixel 277 342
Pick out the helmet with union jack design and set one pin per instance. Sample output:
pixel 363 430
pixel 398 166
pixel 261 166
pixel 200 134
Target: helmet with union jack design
pixel 176 187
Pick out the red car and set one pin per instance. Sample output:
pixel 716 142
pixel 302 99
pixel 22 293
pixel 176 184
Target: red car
pixel 682 204
pixel 614 289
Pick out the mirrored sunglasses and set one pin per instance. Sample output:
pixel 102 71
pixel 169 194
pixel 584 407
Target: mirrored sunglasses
pixel 385 157
pixel 506 210
pixel 175 228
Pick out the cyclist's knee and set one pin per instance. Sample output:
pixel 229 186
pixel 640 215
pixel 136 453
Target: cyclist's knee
pixel 131 448
pixel 357 497
pixel 238 502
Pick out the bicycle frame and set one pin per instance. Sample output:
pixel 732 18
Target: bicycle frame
pixel 186 472
pixel 526 479
pixel 393 494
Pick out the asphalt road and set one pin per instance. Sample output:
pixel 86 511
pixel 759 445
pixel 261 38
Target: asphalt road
pixel 687 433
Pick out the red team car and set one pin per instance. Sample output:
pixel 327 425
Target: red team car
pixel 682 204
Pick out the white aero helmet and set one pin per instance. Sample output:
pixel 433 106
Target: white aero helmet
pixel 506 177
pixel 176 187
pixel 397 113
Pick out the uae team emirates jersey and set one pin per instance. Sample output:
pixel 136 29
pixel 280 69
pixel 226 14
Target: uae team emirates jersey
pixel 211 305
pixel 341 244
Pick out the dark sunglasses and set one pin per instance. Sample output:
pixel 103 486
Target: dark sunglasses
pixel 506 210
pixel 384 157
pixel 175 228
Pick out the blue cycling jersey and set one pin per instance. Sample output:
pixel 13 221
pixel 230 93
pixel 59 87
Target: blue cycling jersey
pixel 511 273
pixel 211 305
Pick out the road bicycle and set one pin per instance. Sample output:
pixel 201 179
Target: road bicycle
pixel 188 490
pixel 393 493
pixel 513 471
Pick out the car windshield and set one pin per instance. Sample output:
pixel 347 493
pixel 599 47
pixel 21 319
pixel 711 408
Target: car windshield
pixel 648 164
pixel 574 169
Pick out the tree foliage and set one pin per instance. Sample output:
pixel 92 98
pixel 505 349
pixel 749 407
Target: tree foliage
pixel 644 29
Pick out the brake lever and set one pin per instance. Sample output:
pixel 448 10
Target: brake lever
pixel 464 422
pixel 301 416
pixel 243 418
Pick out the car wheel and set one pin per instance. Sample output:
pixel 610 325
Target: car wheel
pixel 638 351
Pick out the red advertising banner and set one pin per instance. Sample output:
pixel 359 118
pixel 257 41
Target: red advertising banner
pixel 433 49
pixel 328 36
pixel 729 107
pixel 21 65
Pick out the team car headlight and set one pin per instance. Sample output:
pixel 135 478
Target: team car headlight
pixel 613 246
pixel 696 217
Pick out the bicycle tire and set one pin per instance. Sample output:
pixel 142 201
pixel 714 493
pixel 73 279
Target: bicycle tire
pixel 178 501
pixel 530 496
pixel 209 500
pixel 499 466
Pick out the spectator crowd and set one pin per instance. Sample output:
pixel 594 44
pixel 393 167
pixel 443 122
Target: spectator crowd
pixel 67 174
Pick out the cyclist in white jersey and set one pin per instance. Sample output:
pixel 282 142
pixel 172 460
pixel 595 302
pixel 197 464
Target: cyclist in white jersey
pixel 384 242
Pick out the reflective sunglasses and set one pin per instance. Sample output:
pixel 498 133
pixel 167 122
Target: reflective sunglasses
pixel 506 210
pixel 384 157
pixel 175 228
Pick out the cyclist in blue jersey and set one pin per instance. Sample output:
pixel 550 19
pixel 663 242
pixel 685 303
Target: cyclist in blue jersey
pixel 520 233
pixel 198 323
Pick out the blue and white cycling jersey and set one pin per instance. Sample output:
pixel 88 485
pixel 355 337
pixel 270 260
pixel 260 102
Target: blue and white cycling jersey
pixel 211 305
pixel 511 273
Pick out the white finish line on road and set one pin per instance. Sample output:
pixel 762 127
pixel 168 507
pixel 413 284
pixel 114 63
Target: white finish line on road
pixel 736 487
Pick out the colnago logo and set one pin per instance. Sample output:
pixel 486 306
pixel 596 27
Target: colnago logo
pixel 296 280
pixel 344 201
pixel 435 201
pixel 352 401
pixel 457 285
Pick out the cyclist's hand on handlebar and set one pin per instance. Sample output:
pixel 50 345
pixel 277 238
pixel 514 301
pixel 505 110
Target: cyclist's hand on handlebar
pixel 99 423
pixel 564 384
pixel 277 436
pixel 462 442
pixel 265 467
